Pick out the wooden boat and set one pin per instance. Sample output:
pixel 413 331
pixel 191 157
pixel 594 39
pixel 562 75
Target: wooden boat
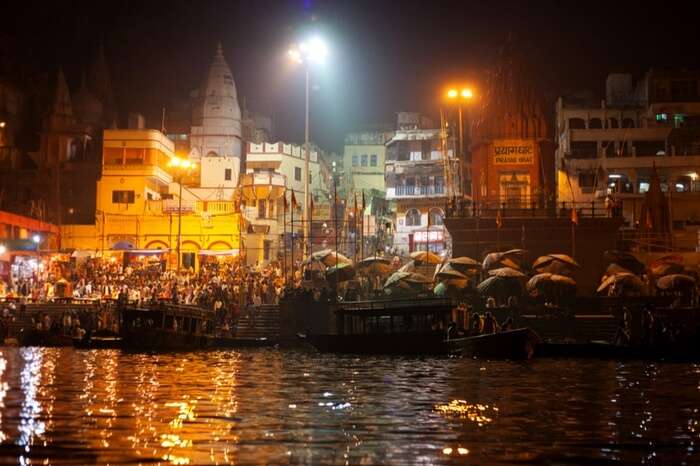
pixel 177 328
pixel 45 338
pixel 98 342
pixel 381 327
pixel 512 344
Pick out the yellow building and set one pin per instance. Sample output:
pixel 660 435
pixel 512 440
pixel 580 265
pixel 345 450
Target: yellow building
pixel 138 199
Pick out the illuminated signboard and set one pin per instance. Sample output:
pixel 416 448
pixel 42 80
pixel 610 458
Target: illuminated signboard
pixel 434 236
pixel 513 152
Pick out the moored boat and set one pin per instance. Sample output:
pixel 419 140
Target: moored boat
pixel 381 327
pixel 511 344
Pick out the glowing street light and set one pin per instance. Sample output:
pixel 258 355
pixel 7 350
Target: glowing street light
pixel 460 95
pixel 36 239
pixel 181 167
pixel 312 51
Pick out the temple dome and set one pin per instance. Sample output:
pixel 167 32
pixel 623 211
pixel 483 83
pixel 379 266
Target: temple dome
pixel 87 107
pixel 217 94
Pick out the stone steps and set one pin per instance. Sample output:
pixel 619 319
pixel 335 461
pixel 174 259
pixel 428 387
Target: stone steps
pixel 265 323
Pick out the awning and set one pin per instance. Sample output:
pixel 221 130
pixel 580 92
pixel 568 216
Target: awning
pixel 223 252
pixel 145 252
pixel 80 253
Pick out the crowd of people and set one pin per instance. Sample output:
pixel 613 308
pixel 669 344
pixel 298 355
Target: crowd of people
pixel 214 286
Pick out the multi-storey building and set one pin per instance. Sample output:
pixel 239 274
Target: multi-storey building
pixel 139 208
pixel 416 172
pixel 274 171
pixel 612 147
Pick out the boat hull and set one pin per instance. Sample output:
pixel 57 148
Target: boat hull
pixel 512 344
pixel 394 343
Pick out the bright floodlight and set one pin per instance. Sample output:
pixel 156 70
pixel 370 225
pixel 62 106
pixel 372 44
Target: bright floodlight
pixel 313 50
pixel 3 249
pixel 467 93
pixel 452 93
pixel 36 239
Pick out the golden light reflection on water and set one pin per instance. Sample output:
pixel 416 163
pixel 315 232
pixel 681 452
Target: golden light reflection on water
pixel 3 392
pixel 478 413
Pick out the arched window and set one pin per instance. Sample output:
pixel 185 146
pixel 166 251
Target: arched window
pixel 436 216
pixel 628 123
pixel 613 123
pixel 595 123
pixel 577 123
pixel 413 218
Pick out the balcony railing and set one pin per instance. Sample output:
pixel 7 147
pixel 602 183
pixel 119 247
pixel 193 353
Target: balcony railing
pixel 429 190
pixel 190 207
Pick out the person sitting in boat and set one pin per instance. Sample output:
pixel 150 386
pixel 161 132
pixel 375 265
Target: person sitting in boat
pixel 477 325
pixel 507 325
pixel 490 324
pixel 452 331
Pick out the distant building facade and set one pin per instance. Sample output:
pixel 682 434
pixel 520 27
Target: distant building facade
pixel 612 147
pixel 416 180
pixel 137 204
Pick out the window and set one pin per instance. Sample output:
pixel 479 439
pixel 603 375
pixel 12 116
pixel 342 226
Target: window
pixel 436 217
pixel 584 150
pixel 122 197
pixel 577 123
pixel 586 180
pixel 373 160
pixel 413 218
pixel 267 246
pixel 363 160
pixel 613 123
pixel 649 148
pixel 297 173
pixel 310 178
pixel 355 160
pixel 262 208
pixel 595 123
pixel 227 174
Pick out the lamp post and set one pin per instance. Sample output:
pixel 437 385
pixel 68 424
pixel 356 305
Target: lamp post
pixel 460 96
pixel 311 51
pixel 181 167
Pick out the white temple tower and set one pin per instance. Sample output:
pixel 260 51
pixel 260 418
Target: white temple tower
pixel 216 122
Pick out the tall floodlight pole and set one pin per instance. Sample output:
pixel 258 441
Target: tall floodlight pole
pixel 462 96
pixel 307 52
pixel 181 167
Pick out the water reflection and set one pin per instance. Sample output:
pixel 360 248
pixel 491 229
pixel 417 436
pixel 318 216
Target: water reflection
pixel 267 406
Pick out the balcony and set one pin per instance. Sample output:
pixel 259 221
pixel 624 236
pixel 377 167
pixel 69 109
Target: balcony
pixel 167 206
pixel 415 191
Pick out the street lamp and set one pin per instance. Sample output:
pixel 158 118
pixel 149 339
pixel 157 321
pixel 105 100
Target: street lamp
pixel 460 96
pixel 308 52
pixel 181 167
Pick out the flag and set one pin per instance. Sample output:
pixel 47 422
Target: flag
pixel 355 211
pixel 286 204
pixel 574 216
pixel 294 201
pixel 499 219
pixel 311 204
pixel 363 202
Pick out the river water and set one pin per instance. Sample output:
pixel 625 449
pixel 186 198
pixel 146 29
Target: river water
pixel 66 406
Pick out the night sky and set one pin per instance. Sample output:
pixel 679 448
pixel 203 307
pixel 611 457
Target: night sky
pixel 386 56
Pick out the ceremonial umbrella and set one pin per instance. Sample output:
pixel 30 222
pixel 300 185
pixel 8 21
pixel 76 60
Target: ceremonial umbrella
pixel 623 282
pixel 625 259
pixel 506 272
pixel 341 273
pixel 373 264
pixel 675 281
pixel 425 256
pixel 498 286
